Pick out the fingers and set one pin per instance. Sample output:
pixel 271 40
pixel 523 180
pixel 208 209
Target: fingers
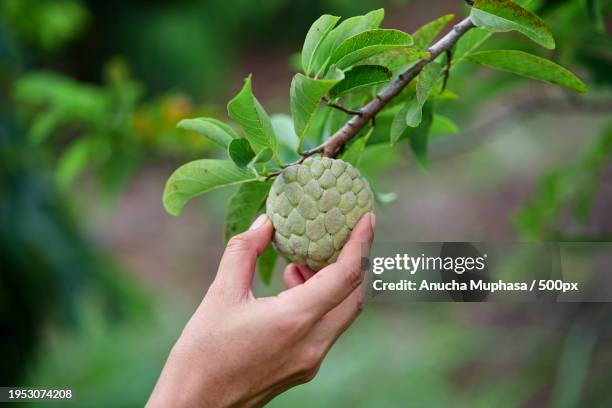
pixel 334 323
pixel 334 283
pixel 292 276
pixel 306 272
pixel 295 275
pixel 238 262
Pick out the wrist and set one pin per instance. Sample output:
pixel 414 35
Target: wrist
pixel 196 376
pixel 185 381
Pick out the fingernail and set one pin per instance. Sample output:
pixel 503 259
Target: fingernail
pixel 259 222
pixel 373 220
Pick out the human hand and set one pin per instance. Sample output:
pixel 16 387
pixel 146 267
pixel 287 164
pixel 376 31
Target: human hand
pixel 238 350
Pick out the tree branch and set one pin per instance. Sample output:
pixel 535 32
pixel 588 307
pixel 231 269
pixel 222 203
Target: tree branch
pixel 449 60
pixel 340 107
pixel 332 146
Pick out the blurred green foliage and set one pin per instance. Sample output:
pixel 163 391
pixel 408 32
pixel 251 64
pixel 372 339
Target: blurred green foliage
pixel 46 261
pixel 562 200
pixel 566 196
pixel 107 364
pixel 107 129
pixel 45 24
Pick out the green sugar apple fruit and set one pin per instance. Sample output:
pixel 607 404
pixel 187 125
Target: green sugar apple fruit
pixel 314 206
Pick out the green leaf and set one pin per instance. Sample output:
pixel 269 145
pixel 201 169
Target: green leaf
pixel 529 65
pixel 198 177
pixel 505 15
pixel 319 129
pixel 240 151
pixel 212 129
pixel 424 84
pixel 266 263
pixel 73 161
pixel 399 125
pixel 396 59
pixel 264 156
pixel 426 34
pixel 382 130
pixel 288 140
pixel 359 77
pixel 468 43
pixel 318 31
pixel 400 131
pixel 306 94
pixel 447 95
pixel 442 125
pixel 355 150
pixel 243 206
pixel 384 198
pixel 419 137
pixel 253 119
pixel 347 28
pixel 367 44
pixel 405 95
pixel 335 120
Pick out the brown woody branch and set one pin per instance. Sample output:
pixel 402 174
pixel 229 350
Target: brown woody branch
pixel 332 146
pixel 449 59
pixel 340 107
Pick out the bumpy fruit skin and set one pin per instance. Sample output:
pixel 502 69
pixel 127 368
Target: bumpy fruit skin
pixel 314 206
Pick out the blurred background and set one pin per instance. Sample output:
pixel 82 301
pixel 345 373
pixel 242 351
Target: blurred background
pixel 96 280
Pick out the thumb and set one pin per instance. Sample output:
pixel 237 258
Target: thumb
pixel 238 262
